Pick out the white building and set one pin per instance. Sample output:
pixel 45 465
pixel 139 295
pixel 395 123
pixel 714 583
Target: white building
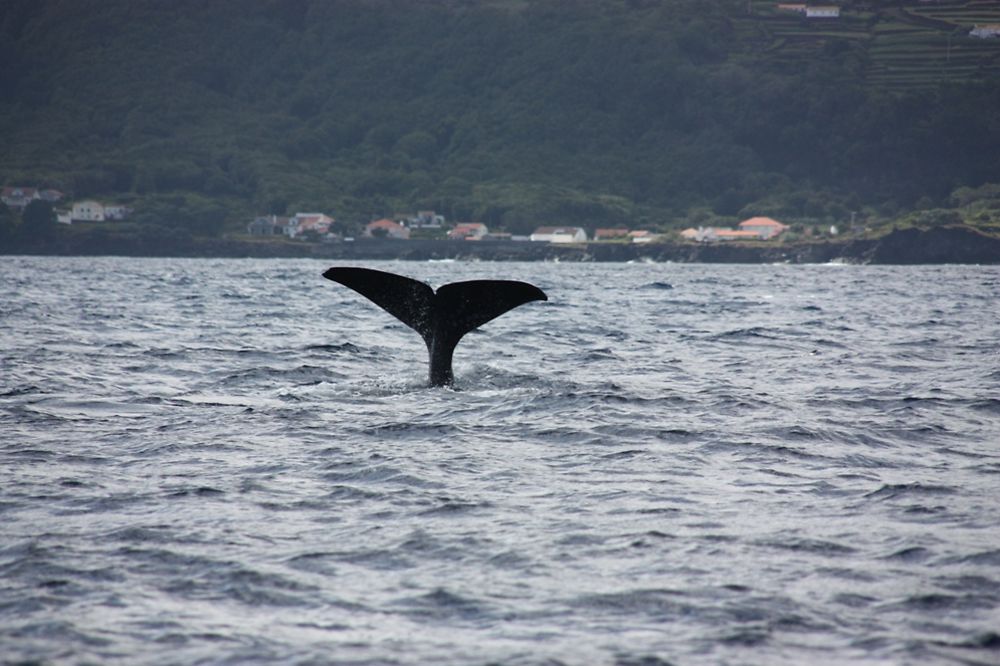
pixel 559 235
pixel 94 211
pixel 115 212
pixel 425 219
pixel 642 236
pixel 823 11
pixel 986 31
pixel 88 211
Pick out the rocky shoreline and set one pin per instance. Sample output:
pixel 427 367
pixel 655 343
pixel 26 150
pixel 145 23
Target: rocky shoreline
pixel 938 245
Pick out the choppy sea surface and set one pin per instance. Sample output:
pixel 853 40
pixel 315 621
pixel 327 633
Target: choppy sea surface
pixel 238 462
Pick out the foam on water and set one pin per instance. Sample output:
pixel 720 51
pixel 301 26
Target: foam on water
pixel 235 461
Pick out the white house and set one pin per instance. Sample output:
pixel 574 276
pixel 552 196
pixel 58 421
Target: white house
pixel 642 236
pixel 986 31
pixel 264 225
pixel 88 211
pixel 425 219
pixel 732 235
pixel 559 235
pixel 714 234
pixel 822 11
pixel 94 211
pixel 116 212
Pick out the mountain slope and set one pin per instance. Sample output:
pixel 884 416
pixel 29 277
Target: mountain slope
pixel 511 112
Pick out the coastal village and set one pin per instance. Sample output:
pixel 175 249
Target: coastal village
pixel 429 225
pixel 86 210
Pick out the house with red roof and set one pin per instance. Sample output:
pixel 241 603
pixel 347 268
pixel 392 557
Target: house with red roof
pixel 755 228
pixel 617 233
pixel 317 223
pixel 19 197
pixel 764 227
pixel 468 231
pixel 386 228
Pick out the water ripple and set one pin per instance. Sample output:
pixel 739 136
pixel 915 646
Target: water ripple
pixel 234 461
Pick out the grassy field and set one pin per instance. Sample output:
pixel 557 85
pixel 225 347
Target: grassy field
pixel 899 48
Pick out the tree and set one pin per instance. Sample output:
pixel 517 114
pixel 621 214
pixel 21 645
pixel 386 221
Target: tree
pixel 38 221
pixel 8 227
pixel 419 145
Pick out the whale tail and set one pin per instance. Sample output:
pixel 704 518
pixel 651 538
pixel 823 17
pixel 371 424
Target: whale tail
pixel 443 317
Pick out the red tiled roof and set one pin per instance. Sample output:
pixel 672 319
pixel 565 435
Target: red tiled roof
pixel 24 191
pixel 384 223
pixel 469 225
pixel 761 222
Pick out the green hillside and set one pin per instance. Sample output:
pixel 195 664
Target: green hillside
pixel 894 46
pixel 639 112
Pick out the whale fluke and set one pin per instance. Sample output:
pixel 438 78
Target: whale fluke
pixel 443 317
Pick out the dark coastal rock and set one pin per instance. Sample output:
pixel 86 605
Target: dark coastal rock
pixel 938 245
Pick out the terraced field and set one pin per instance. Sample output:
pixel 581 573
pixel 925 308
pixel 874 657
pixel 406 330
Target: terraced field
pixel 915 46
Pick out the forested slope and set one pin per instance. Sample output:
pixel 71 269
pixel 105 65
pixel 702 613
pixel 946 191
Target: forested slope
pixel 513 113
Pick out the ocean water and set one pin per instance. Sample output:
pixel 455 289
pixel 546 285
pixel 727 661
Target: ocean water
pixel 238 462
